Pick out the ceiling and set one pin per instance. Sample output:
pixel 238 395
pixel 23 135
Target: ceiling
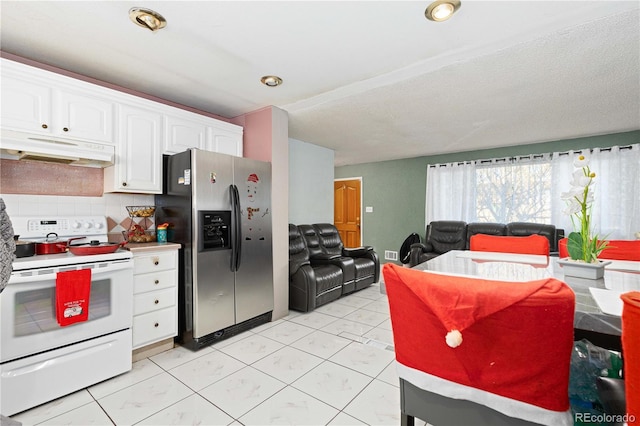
pixel 372 80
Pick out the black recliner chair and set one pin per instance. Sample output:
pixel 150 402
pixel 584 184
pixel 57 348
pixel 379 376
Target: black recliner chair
pixel 442 236
pixel 361 263
pixel 486 228
pixel 524 229
pixel 310 284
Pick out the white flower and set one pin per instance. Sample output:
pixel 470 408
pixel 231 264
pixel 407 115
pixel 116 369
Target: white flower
pixel 590 198
pixel 453 338
pixel 581 161
pixel 571 195
pixel 580 180
pixel 573 208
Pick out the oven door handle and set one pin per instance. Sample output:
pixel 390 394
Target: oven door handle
pixel 44 274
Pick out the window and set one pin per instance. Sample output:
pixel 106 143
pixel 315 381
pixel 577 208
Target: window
pixel 513 192
pixel 527 189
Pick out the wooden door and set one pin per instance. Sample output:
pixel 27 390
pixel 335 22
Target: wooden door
pixel 346 211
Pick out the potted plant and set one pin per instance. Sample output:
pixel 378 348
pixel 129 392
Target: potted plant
pixel 583 244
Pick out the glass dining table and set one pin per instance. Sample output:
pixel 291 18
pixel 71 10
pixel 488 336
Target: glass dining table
pixel 598 305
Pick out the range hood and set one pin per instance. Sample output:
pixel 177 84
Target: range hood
pixel 17 145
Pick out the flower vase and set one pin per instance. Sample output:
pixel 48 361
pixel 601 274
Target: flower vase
pixel 575 268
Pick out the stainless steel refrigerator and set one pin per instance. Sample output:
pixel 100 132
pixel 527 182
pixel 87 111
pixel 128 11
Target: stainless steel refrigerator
pixel 219 209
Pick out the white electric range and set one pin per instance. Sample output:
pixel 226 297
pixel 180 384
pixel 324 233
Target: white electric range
pixel 41 360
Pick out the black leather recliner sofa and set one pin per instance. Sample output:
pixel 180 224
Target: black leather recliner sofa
pixel 310 285
pixel 446 235
pixel 324 251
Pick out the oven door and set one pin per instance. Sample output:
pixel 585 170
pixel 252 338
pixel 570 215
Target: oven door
pixel 28 322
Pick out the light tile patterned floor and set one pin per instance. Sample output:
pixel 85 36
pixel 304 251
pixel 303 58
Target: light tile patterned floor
pixel 333 366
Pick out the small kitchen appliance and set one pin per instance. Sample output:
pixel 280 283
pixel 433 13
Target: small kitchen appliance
pixel 41 360
pixel 219 208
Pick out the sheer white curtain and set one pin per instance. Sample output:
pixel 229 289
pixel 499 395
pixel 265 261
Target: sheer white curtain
pixel 451 192
pixel 561 170
pixel 616 209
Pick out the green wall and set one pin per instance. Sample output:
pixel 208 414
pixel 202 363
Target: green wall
pixel 396 189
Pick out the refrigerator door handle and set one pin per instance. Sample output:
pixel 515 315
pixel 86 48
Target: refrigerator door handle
pixel 237 229
pixel 234 227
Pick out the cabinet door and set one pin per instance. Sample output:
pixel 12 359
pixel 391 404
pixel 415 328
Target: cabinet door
pixel 154 326
pixel 83 116
pixel 225 141
pixel 26 105
pixel 139 158
pixel 183 133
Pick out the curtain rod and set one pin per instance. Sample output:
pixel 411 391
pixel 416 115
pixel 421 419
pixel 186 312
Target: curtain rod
pixel 524 157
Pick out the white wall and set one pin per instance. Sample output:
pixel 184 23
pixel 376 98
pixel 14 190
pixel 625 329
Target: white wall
pixel 310 183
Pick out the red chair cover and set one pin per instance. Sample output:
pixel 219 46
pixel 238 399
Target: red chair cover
pixel 617 250
pixel 622 250
pixel 631 351
pixel 562 248
pixel 532 244
pixel 517 338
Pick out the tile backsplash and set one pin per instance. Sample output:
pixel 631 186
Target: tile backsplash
pixel 113 206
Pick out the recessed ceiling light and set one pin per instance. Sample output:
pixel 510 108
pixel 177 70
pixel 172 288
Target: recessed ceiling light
pixel 271 80
pixel 147 18
pixel 441 10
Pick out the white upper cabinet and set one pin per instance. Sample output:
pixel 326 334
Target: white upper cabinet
pixel 26 105
pixel 183 130
pixel 41 102
pixel 225 138
pixel 83 116
pixel 138 165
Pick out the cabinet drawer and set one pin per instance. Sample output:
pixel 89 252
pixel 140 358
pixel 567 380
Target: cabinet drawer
pixel 154 281
pixel 154 326
pixel 154 300
pixel 154 262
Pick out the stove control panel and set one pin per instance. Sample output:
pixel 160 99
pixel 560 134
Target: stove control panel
pixel 68 226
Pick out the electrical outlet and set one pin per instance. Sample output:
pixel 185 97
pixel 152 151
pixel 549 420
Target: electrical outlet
pixel 390 255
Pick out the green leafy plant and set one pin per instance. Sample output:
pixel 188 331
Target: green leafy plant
pixel 582 243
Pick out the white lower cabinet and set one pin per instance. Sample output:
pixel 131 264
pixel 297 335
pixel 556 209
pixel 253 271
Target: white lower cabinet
pixel 155 296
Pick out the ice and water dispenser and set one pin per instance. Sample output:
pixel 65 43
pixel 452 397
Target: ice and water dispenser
pixel 215 228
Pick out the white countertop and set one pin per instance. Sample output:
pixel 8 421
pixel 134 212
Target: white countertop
pixel 155 246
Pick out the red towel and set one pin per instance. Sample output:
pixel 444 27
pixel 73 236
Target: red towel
pixel 517 338
pixel 631 351
pixel 73 289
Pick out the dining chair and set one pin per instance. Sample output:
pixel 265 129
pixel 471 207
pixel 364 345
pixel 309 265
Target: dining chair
pixel 631 351
pixel 532 244
pixel 478 351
